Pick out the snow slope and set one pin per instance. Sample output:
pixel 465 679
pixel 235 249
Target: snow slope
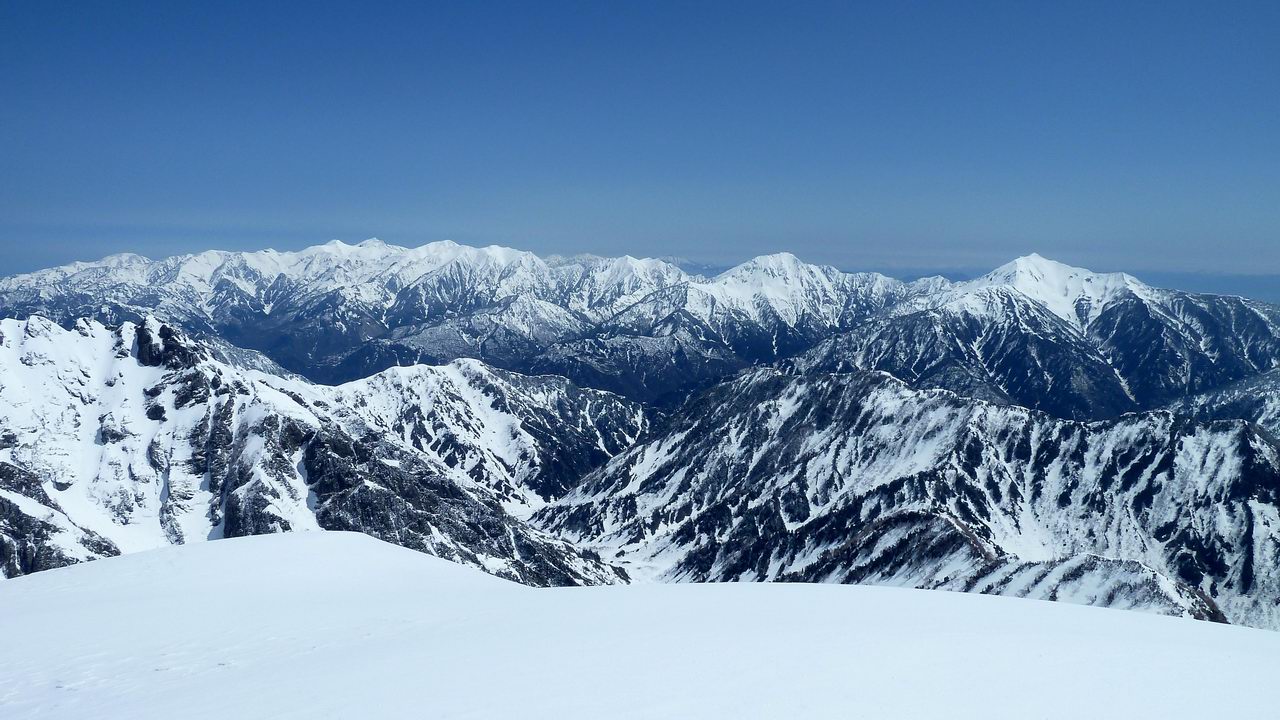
pixel 338 625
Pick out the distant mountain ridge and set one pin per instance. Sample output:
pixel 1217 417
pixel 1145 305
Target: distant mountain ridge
pixel 337 312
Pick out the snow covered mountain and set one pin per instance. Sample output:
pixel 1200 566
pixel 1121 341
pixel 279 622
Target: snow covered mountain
pixel 856 477
pixel 234 629
pixel 1164 344
pixel 1068 341
pixel 124 439
pixel 338 312
pixel 1042 431
pixel 1034 332
pixel 999 346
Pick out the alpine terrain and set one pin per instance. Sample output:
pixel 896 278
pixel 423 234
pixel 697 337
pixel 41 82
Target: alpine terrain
pixel 1042 431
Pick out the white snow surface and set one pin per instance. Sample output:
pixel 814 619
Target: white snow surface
pixel 338 625
pixel 1074 294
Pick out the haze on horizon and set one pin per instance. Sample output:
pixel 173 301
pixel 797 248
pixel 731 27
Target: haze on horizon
pixel 912 138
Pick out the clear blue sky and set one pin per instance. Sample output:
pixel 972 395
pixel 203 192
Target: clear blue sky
pixel 1118 135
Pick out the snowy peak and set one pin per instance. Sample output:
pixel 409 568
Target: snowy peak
pixel 1074 294
pixel 782 288
pixel 777 277
pixel 1036 270
pixel 601 287
pixel 782 264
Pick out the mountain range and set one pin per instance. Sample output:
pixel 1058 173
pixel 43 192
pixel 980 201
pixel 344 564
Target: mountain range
pixel 1041 431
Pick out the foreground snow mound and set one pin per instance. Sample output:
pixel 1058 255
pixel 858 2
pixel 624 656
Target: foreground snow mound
pixel 338 625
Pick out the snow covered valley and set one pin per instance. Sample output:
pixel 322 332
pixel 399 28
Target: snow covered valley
pixel 339 625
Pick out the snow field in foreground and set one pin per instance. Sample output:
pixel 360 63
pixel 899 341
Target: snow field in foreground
pixel 338 625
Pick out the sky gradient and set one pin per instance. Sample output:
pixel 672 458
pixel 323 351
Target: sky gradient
pixel 889 136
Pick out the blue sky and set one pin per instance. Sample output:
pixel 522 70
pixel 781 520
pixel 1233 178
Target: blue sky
pixel 1137 136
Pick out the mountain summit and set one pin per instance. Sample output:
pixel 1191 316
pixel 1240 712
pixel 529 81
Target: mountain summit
pixel 1074 294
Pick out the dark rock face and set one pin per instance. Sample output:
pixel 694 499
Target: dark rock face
pixel 305 337
pixel 411 505
pixel 163 347
pixel 1137 354
pixel 27 542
